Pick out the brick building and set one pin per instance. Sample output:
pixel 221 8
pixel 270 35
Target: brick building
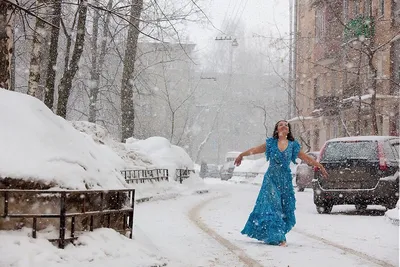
pixel 348 70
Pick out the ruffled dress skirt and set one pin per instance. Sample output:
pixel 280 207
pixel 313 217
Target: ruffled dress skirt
pixel 273 214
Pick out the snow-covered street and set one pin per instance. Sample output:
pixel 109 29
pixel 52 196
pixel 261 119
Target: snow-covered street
pixel 204 230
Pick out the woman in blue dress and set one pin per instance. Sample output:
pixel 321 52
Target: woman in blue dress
pixel 273 214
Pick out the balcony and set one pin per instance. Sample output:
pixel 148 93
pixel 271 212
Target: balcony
pixel 360 26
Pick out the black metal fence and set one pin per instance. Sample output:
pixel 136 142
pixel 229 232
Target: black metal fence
pixel 182 174
pixel 155 175
pixel 102 210
pixel 141 176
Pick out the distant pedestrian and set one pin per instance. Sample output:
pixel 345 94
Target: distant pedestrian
pixel 273 214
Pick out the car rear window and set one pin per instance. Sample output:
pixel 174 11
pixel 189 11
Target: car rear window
pixel 336 151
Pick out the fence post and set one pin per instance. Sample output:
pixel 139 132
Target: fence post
pixel 131 213
pixel 61 241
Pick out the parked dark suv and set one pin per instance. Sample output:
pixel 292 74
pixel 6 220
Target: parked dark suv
pixel 363 170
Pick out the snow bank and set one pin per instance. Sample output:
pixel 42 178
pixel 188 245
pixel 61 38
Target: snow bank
pixel 161 152
pixel 38 145
pixel 100 248
pixel 132 159
pixel 393 214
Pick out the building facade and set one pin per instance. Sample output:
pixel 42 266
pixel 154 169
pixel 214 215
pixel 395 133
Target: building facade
pixel 347 71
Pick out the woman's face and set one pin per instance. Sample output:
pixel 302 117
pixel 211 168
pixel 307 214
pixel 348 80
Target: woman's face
pixel 283 128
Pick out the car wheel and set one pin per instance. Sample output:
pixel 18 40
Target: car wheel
pixel 300 189
pixel 361 207
pixel 324 208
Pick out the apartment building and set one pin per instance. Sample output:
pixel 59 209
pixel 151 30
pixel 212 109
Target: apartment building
pixel 347 71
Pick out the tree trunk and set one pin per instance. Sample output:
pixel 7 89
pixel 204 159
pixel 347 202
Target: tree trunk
pixel 94 72
pixel 69 73
pixel 127 108
pixel 373 98
pixel 6 43
pixel 97 63
pixel 53 54
pixel 37 45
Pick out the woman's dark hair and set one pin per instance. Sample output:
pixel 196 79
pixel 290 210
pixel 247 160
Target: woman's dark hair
pixel 289 136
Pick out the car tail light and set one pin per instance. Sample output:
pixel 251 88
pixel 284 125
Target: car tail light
pixel 381 156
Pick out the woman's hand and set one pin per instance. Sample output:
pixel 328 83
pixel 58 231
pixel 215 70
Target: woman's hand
pixel 323 171
pixel 238 160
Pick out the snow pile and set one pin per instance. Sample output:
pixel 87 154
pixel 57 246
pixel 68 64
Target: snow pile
pixel 100 248
pixel 152 153
pixel 393 214
pixel 132 159
pixel 161 152
pixel 40 146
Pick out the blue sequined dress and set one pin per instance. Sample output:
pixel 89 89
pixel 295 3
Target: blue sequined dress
pixel 273 214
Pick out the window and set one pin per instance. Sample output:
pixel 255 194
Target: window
pixel 315 88
pixel 381 7
pixel 335 129
pixel 395 148
pixel 356 8
pixel 345 9
pixel 379 68
pixel 336 151
pixel 320 27
pixel 316 139
pixel 334 83
pixel 390 151
pixel 398 72
pixel 367 8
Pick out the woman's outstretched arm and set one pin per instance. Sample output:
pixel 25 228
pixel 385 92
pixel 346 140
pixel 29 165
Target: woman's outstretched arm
pixel 303 156
pixel 252 151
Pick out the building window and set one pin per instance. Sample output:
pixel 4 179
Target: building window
pixel 316 140
pixel 308 138
pixel 380 124
pixel 320 27
pixel 398 72
pixel 356 8
pixel 381 7
pixel 334 90
pixel 367 127
pixel 367 8
pixel 345 9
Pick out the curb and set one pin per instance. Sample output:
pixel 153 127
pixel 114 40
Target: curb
pixel 148 199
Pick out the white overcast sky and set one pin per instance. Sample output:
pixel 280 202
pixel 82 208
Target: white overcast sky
pixel 259 16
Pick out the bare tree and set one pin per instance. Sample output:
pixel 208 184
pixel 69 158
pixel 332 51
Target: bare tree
pixel 207 137
pixel 53 54
pixel 127 109
pixel 6 42
pixel 97 60
pixel 38 44
pixel 71 69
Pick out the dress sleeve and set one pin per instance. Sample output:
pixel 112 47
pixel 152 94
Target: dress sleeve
pixel 268 148
pixel 295 151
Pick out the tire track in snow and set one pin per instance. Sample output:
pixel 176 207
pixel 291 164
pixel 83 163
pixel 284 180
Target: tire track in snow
pixel 345 249
pixel 194 217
